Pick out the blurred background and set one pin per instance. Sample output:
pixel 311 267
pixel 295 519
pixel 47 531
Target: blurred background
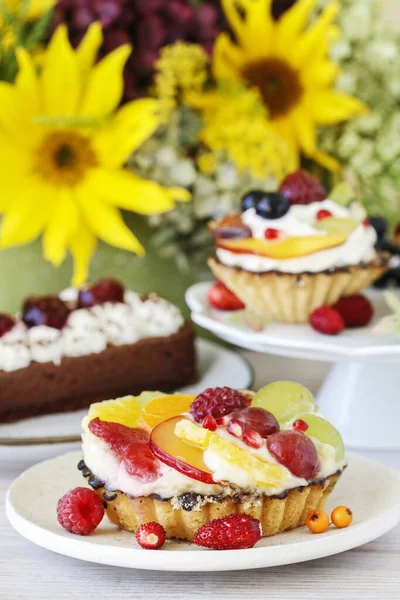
pixel 358 152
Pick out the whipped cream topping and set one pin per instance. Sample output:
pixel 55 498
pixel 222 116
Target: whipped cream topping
pixel 298 222
pixel 171 484
pixel 90 330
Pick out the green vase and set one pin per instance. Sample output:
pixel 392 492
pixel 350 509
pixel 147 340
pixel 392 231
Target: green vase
pixel 24 271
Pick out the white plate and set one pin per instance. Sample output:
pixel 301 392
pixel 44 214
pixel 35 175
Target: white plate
pixel 369 488
pixel 297 341
pixel 217 365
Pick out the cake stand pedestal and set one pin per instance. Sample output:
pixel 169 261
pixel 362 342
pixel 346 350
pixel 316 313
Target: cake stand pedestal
pixel 361 394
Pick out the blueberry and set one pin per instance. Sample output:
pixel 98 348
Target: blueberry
pixel 379 224
pixel 272 205
pixel 251 199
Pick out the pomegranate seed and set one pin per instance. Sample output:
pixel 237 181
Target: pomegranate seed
pixel 272 234
pixel 235 428
pixel 209 423
pixel 252 438
pixel 300 425
pixel 323 214
pixel 223 421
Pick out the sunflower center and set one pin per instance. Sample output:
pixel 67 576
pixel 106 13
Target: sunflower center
pixel 277 82
pixel 64 157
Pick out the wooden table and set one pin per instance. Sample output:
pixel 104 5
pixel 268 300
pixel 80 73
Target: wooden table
pixel 28 572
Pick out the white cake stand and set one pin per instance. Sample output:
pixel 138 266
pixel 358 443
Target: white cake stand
pixel 361 394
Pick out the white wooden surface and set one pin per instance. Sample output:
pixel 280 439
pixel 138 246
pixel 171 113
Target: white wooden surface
pixel 29 572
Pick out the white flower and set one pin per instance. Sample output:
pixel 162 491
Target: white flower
pixel 183 173
pixel 357 21
pixel 227 177
pixel 348 144
pixel 166 156
pixel 369 123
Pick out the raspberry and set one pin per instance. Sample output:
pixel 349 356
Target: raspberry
pixel 151 536
pixel 327 320
pixel 117 437
pixel 217 402
pixel 302 188
pixel 105 290
pixel 356 311
pixel 80 511
pixel 235 532
pixel 140 462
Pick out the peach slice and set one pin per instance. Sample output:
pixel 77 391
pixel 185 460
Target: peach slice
pixel 281 250
pixel 164 407
pixel 176 453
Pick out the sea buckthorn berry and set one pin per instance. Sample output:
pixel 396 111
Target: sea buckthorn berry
pixel 341 516
pixel 323 214
pixel 317 521
pixel 272 234
pixel 300 425
pixel 209 423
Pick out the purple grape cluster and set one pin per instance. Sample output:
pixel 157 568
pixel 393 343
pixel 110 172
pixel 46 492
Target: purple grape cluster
pixel 147 24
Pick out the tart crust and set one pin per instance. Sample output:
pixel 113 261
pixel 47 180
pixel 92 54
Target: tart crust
pixel 276 513
pixel 291 298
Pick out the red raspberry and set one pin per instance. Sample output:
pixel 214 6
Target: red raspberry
pixel 356 311
pixel 272 234
pixel 80 511
pixel 140 462
pixel 327 320
pixel 217 402
pixel 221 298
pixel 302 188
pixel 323 214
pixel 105 290
pixel 117 437
pixel 151 536
pixel 235 532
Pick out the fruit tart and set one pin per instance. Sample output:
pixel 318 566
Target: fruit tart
pixel 184 460
pixel 65 352
pixel 290 252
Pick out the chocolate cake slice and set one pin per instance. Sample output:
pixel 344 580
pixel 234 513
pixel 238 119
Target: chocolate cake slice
pixel 67 352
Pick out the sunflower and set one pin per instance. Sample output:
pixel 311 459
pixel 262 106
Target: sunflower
pixel 63 146
pixel 30 9
pixel 289 64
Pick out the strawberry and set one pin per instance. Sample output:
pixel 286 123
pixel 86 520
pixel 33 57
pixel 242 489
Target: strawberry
pixel 327 320
pixel 235 532
pixel 140 462
pixel 356 311
pixel 223 299
pixel 117 437
pixel 151 536
pixel 302 188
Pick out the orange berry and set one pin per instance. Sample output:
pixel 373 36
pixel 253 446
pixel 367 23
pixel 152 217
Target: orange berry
pixel 317 521
pixel 341 516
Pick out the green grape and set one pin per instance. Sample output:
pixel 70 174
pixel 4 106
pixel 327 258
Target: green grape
pixel 285 400
pixel 324 432
pixel 337 226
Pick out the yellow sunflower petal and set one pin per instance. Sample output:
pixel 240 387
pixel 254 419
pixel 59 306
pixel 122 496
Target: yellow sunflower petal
pixel 127 130
pixel 105 86
pixel 314 40
pixel 14 115
pixel 327 161
pixel 251 20
pixel 60 76
pixel 88 48
pixel 27 80
pixel 82 245
pixel 36 8
pixel 329 107
pixel 106 223
pixel 126 190
pixel 62 225
pixel 305 131
pixel 228 59
pixel 292 23
pixel 28 216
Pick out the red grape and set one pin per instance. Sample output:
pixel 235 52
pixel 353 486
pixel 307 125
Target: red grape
pixel 257 419
pixel 296 452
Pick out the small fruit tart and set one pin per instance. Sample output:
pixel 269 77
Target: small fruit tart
pixel 290 252
pixel 183 460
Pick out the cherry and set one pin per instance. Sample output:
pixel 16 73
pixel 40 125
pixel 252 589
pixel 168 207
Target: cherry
pixel 6 323
pixel 271 233
pixel 295 451
pixel 140 462
pixel 45 310
pixel 323 214
pixel 257 419
pixel 105 290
